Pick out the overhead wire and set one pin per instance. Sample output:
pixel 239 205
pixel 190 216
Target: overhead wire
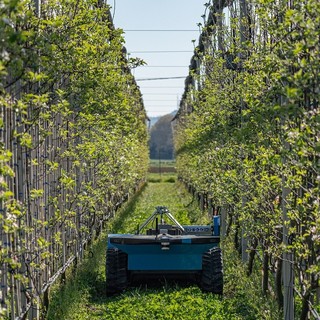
pixel 164 78
pixel 163 51
pixel 146 66
pixel 160 87
pixel 160 52
pixel 160 30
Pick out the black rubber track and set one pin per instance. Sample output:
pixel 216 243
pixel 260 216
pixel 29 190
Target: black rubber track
pixel 212 271
pixel 116 271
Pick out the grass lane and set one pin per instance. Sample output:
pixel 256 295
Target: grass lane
pixel 83 296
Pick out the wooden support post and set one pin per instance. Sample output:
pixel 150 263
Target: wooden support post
pixel 37 4
pixel 244 238
pixel 243 39
pixel 210 205
pixel 201 201
pixel 288 259
pixel 35 309
pixel 12 302
pixel 223 222
pixel 244 245
pixel 287 270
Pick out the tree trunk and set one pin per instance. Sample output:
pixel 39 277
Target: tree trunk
pixel 252 255
pixel 305 307
pixel 265 277
pixel 46 301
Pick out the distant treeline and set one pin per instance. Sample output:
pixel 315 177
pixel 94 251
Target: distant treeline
pixel 161 139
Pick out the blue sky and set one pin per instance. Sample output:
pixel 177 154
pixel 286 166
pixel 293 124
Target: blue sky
pixel 160 96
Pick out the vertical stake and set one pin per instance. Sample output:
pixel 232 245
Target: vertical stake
pixel 287 271
pixel 223 221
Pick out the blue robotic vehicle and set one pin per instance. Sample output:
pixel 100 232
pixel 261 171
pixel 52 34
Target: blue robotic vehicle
pixel 162 249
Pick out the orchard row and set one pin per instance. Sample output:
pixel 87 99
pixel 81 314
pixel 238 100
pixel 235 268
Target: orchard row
pixel 73 141
pixel 247 139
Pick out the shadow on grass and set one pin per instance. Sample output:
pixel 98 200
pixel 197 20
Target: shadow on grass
pixel 67 298
pixel 87 282
pixel 142 286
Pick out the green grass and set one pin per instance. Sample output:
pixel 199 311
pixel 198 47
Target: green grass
pixel 83 296
pixel 163 177
pixel 171 195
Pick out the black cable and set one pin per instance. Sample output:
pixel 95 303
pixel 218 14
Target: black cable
pixel 166 78
pixel 165 66
pixel 149 112
pixel 163 51
pixel 159 30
